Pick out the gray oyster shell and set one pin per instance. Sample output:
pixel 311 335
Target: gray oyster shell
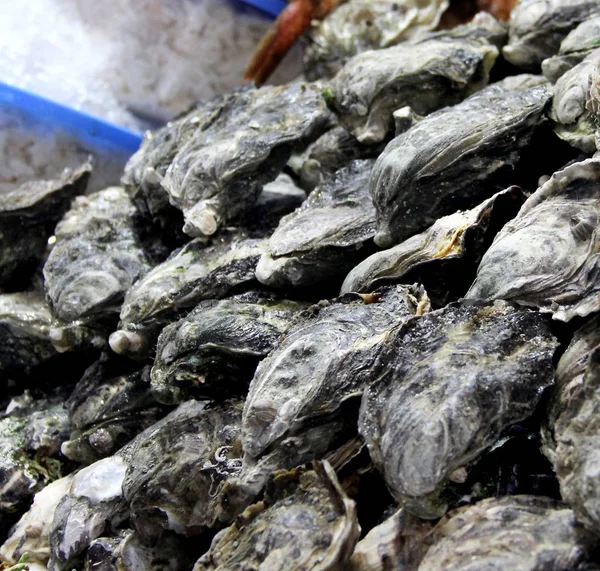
pixel 537 28
pixel 397 544
pixel 31 433
pixel 219 172
pixel 547 257
pixel 326 235
pixel 573 421
pixel 96 259
pixel 455 157
pixel 25 343
pixel 215 349
pixel 361 25
pixel 521 533
pixel 574 121
pixel 109 406
pixel 425 75
pixel 178 466
pixel 584 39
pixel 196 272
pixel 28 215
pixel 449 383
pixel 446 248
pixel 306 521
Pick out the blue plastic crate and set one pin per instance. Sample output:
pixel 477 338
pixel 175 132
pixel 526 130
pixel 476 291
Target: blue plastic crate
pixel 272 7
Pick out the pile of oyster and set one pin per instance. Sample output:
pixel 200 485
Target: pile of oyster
pixel 350 323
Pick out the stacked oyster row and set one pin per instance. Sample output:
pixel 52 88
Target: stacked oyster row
pixel 211 369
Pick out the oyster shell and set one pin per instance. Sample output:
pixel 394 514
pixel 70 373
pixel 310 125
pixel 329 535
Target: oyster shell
pixel 455 157
pixel 110 405
pixel 306 521
pixel 425 75
pixel 219 172
pixel 362 25
pixel 449 383
pixel 28 215
pixel 325 236
pixel 573 420
pixel 215 349
pixel 96 259
pixel 547 257
pixel 584 39
pixel 537 27
pixel 449 248
pixel 521 533
pixel 574 122
pixel 177 468
pixel 195 272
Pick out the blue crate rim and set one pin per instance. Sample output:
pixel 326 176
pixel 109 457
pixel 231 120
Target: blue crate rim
pixel 272 7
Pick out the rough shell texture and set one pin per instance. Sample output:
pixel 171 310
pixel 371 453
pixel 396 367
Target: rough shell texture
pixel 537 27
pixel 547 257
pixel 449 383
pixel 521 533
pixel 455 157
pixel 424 75
pixel 305 522
pixel 361 25
pixel 96 259
pixel 195 272
pixel 215 349
pixel 325 236
pixel 219 172
pixel 28 215
pixel 446 249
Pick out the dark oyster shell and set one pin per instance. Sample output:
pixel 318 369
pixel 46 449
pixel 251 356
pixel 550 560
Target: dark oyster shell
pixel 573 49
pixel 425 75
pixel 449 383
pixel 326 236
pixel 537 27
pixel 177 468
pixel 455 157
pixel 28 215
pixel 195 272
pixel 110 405
pixel 306 521
pixel 219 172
pixel 361 25
pixel 574 423
pixel 215 349
pixel 521 533
pixel 96 259
pixel 547 257
pixel 450 248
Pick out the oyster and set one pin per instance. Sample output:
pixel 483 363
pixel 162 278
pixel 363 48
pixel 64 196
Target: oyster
pixel 537 28
pixel 96 259
pixel 219 172
pixel 449 383
pixel 425 75
pixel 177 468
pixel 574 121
pixel 455 157
pixel 547 257
pixel 451 247
pixel 326 236
pixel 215 349
pixel 573 420
pixel 306 521
pixel 110 405
pixel 28 215
pixel 584 39
pixel 521 533
pixel 362 25
pixel 31 432
pixel 195 272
